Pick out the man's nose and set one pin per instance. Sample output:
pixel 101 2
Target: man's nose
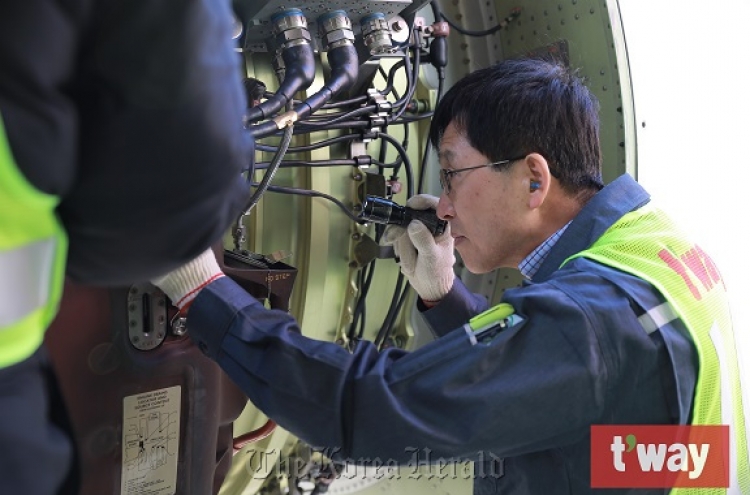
pixel 445 207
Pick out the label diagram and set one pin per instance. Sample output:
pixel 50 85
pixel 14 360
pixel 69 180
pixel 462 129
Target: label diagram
pixel 151 442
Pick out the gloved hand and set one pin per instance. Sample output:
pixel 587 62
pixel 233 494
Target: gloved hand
pixel 184 283
pixel 425 260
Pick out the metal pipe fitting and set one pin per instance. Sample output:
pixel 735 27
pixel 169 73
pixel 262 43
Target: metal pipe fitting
pixel 335 29
pixel 290 28
pixel 376 33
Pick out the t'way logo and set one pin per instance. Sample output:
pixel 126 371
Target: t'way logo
pixel 637 456
pixel 697 262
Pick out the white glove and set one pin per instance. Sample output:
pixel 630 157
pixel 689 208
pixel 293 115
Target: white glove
pixel 184 283
pixel 427 261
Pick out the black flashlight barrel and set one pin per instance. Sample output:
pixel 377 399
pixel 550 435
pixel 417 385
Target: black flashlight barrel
pixel 387 212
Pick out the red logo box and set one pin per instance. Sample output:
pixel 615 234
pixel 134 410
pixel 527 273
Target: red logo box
pixel 656 456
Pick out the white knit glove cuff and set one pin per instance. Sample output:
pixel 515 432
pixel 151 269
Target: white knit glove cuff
pixel 184 283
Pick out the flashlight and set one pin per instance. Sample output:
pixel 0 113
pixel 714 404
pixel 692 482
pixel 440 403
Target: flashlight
pixel 385 211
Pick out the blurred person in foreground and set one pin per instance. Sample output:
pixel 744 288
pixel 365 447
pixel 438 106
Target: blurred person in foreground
pixel 121 148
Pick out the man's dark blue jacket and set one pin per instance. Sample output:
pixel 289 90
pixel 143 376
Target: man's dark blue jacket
pixel 522 404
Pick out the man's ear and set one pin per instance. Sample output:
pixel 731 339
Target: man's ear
pixel 539 178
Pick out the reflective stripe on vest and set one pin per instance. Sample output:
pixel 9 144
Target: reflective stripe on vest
pixel 30 269
pixel 33 248
pixel 647 244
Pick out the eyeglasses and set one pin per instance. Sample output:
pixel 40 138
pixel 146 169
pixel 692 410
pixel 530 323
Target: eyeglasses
pixel 446 175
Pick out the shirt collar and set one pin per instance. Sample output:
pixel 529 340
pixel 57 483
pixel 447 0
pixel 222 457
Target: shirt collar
pixel 531 263
pixel 619 197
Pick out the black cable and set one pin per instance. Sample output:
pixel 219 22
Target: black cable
pixel 382 153
pixel 485 32
pixel 391 317
pixel 382 73
pixel 385 328
pixel 428 144
pixel 406 119
pixel 365 279
pixel 238 231
pixel 362 322
pixel 316 117
pixel 315 194
pixel 303 128
pixel 333 104
pixel 354 113
pixel 350 162
pixel 407 162
pixel 347 103
pixel 309 147
pixel 390 78
pixel 270 172
pixel 412 76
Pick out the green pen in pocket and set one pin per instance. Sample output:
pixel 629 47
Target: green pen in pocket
pixel 485 326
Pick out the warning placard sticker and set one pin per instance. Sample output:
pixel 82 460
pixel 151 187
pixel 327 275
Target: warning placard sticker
pixel 150 442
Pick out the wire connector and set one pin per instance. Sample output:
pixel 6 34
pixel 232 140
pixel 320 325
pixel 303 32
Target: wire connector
pixel 286 119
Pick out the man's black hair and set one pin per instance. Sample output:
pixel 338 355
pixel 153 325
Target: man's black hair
pixel 521 106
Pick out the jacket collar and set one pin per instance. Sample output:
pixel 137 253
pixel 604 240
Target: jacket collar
pixel 619 197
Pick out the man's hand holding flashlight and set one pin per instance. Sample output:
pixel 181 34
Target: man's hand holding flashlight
pixel 426 260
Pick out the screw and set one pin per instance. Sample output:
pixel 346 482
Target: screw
pixel 179 326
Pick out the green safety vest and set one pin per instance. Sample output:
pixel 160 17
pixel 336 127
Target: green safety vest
pixel 647 244
pixel 33 247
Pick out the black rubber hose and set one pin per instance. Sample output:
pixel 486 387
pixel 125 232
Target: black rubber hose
pixel 344 71
pixel 299 74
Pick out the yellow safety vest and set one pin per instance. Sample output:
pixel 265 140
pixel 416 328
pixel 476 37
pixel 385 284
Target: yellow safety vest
pixel 33 247
pixel 647 244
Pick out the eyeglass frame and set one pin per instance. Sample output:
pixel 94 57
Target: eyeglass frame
pixel 446 175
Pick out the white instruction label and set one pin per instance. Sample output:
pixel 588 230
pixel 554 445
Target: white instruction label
pixel 150 442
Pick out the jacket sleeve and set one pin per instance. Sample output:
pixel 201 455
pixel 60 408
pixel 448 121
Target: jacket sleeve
pixel 456 308
pixel 451 397
pixel 130 111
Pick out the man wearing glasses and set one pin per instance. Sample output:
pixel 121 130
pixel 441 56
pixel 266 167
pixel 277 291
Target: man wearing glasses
pixel 608 328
